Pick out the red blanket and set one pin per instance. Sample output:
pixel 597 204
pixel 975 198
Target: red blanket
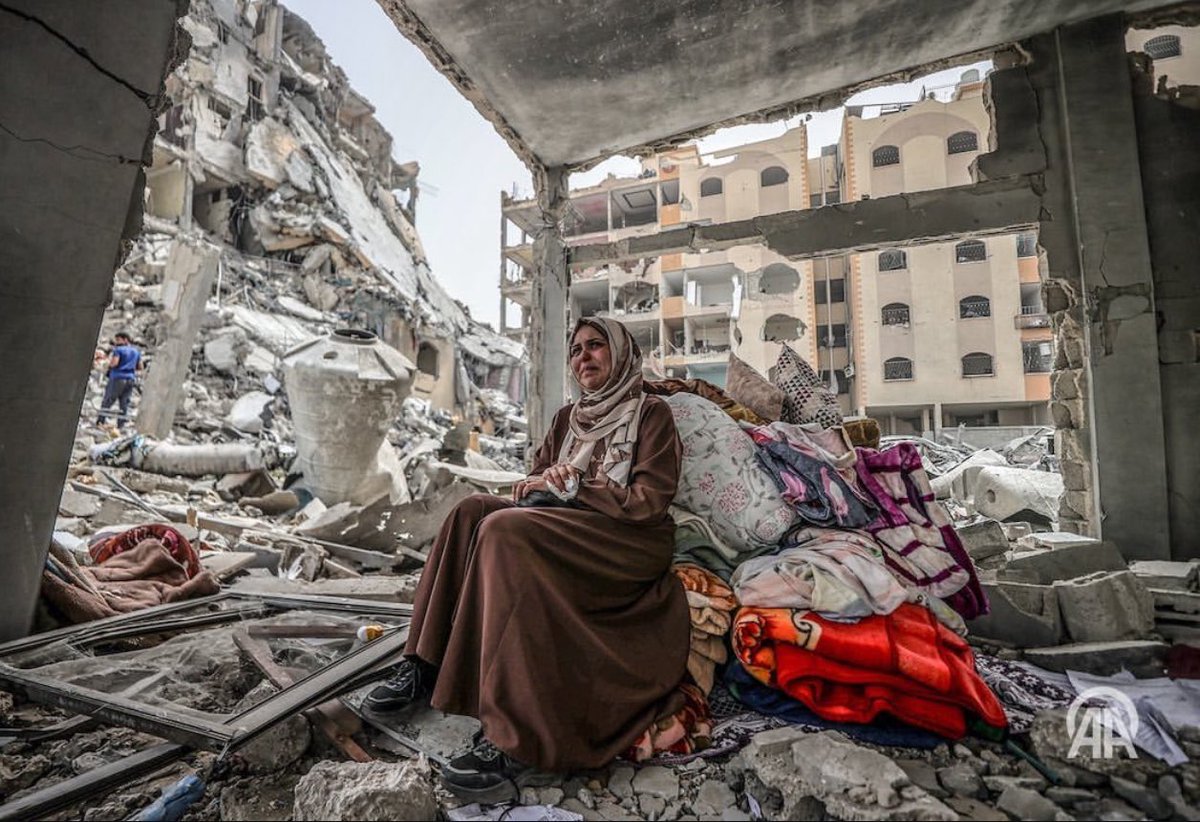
pixel 906 663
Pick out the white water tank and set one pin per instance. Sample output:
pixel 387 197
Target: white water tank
pixel 345 390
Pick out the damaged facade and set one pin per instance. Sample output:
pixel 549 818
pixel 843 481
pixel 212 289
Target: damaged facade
pixel 942 335
pixel 268 155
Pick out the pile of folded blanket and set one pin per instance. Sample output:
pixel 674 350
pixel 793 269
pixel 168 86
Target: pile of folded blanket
pixel 823 577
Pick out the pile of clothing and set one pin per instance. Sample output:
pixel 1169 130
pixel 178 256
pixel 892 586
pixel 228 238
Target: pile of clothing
pixel 824 579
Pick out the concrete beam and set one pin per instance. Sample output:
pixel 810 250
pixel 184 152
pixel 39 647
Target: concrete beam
pixel 82 86
pixel 992 207
pixel 1116 285
pixel 187 283
pixel 548 325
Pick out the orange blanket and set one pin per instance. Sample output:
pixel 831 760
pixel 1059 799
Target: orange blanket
pixel 905 663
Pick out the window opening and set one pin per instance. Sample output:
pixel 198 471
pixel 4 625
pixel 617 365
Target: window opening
pixel 895 314
pixel 977 364
pixel 973 307
pixel 885 156
pixel 971 251
pixel 962 141
pixel 1162 47
pixel 711 186
pixel 773 176
pixel 892 260
pixel 897 368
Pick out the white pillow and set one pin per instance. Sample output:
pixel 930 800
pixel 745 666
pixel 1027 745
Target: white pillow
pixel 721 480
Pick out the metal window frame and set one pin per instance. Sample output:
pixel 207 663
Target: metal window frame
pixel 962 147
pixel 972 244
pixel 192 728
pixel 1174 47
pixel 903 258
pixel 876 155
pixel 977 356
pixel 897 361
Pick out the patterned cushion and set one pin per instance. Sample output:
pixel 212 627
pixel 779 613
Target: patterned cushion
pixel 751 389
pixel 806 398
pixel 721 480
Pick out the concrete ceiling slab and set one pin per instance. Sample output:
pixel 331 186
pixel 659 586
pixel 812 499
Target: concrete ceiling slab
pixel 569 83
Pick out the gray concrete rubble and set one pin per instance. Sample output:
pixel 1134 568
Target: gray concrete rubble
pixel 371 791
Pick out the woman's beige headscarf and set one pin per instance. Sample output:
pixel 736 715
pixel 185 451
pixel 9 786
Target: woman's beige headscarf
pixel 611 413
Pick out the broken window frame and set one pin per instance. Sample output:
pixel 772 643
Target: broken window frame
pixel 1163 47
pixel 255 105
pixel 1027 244
pixel 216 734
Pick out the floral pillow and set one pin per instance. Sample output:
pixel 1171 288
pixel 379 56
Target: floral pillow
pixel 721 480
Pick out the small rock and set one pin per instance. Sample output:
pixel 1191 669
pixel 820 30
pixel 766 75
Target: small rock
pixel 366 791
pixel 922 775
pixel 999 784
pixel 735 815
pixel 550 796
pixel 657 781
pixel 586 798
pixel 529 796
pixel 1170 790
pixel 713 798
pixel 620 782
pixel 1027 804
pixel 1142 797
pixel 278 747
pixel 651 806
pixel 962 751
pixel 975 811
pixel 1069 797
pixel 962 780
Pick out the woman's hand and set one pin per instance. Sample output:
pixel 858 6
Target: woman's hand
pixel 559 475
pixel 527 486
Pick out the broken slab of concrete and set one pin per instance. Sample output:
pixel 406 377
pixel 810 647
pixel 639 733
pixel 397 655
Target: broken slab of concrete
pixel 1018 493
pixel 78 504
pixel 1074 560
pixel 1105 606
pixel 366 791
pixel 1141 657
pixel 852 782
pixel 250 412
pixel 1022 614
pixel 1051 540
pixel 983 540
pixel 1165 575
pixel 375 587
pixel 281 745
pixel 417 523
pixel 244 483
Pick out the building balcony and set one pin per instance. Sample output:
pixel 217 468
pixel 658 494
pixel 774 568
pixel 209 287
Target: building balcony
pixel 1032 316
pixel 720 310
pixel 519 291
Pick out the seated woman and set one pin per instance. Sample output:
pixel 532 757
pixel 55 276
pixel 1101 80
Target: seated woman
pixel 560 628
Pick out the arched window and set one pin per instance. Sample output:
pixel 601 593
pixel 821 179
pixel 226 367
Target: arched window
pixel 897 368
pixel 977 364
pixel 974 306
pixel 711 186
pixel 782 328
pixel 1163 46
pixel 773 176
pixel 778 278
pixel 971 251
pixel 962 141
pixel 892 260
pixel 427 359
pixel 885 156
pixel 895 314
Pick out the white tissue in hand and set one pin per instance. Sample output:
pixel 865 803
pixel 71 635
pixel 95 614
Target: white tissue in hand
pixel 569 494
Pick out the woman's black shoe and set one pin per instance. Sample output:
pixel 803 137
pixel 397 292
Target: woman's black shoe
pixel 488 775
pixel 413 680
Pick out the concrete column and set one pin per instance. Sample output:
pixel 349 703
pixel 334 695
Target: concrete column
pixel 82 89
pixel 924 421
pixel 187 283
pixel 1108 397
pixel 548 321
pixel 937 419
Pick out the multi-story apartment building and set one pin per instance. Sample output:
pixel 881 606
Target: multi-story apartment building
pixel 923 337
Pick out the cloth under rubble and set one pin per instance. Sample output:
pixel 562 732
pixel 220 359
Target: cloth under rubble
pixel 814 470
pixel 905 663
pixel 923 548
pixel 103 547
pixel 710 606
pixel 141 577
pixel 586 589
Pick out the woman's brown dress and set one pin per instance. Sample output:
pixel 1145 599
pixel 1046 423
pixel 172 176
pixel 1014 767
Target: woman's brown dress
pixel 562 630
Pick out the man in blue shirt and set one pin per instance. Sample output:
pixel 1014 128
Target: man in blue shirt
pixel 124 364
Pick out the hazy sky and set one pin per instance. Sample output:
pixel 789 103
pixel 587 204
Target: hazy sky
pixel 465 164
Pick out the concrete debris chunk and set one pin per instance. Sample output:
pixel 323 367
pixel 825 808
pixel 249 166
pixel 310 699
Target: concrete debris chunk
pixel 1023 803
pixel 1175 576
pixel 984 539
pixel 1021 614
pixel 852 782
pixel 1141 657
pixel 1105 606
pixel 251 412
pixel 78 504
pixel 959 481
pixel 366 791
pixel 281 745
pixel 1070 561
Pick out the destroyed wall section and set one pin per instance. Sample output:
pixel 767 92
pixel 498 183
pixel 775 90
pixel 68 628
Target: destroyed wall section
pixel 83 85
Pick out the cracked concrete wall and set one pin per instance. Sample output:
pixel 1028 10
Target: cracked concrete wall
pixel 80 87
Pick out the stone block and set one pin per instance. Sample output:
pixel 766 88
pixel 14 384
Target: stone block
pixel 1068 413
pixel 1023 803
pixel 1063 385
pixel 1051 540
pixel 1105 606
pixel 1143 658
pixel 657 781
pixel 1015 530
pixel 366 791
pixel 1074 445
pixel 1022 615
pixel 74 503
pixel 1018 493
pixel 1082 503
pixel 1077 476
pixel 851 781
pixel 1078 558
pixel 1173 576
pixel 959 481
pixel 983 539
